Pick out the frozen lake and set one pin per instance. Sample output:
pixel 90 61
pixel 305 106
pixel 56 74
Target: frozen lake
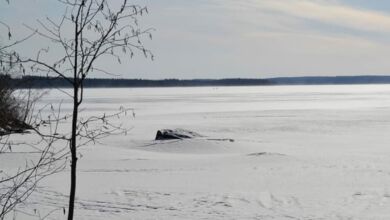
pixel 299 152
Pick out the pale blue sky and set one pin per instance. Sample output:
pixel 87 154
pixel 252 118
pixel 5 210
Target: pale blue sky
pixel 248 38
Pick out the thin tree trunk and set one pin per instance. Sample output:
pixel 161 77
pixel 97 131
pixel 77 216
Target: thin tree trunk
pixel 73 150
pixel 73 144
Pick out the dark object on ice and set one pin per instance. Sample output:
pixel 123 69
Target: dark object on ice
pixel 265 154
pixel 168 134
pixel 221 139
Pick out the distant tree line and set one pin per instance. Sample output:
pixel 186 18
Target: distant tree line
pixel 331 80
pixel 57 82
pixel 53 82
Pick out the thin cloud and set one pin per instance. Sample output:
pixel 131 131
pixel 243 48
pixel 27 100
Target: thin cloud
pixel 328 12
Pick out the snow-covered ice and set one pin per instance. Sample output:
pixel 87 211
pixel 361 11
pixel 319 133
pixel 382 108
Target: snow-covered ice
pixel 299 152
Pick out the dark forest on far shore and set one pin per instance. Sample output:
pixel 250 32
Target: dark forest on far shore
pixel 50 82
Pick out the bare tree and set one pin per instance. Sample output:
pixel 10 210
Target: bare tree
pixel 88 31
pixel 13 190
pixel 16 110
pixel 17 117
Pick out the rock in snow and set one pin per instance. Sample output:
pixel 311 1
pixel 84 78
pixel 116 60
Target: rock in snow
pixel 168 134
